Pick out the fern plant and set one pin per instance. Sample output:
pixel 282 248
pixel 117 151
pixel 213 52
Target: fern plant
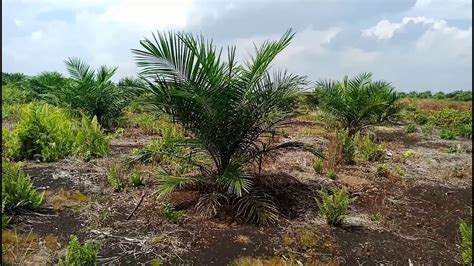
pixel 78 254
pixel 334 205
pixel 227 107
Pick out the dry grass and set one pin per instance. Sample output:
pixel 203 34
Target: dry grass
pixel 436 105
pixel 66 199
pixel 334 153
pixel 17 248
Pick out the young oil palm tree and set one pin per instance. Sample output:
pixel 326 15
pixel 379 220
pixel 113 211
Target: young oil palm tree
pixel 359 102
pixel 231 109
pixel 93 92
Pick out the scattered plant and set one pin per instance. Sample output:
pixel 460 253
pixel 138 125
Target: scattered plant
pixel 90 142
pixel 17 189
pixel 367 150
pixel 348 147
pixel 410 128
pixel 169 212
pixel 334 205
pixel 409 153
pixel 466 242
pixel 318 166
pixel 447 134
pixel 78 254
pixel 114 177
pixel 400 171
pixel 136 179
pixel 332 174
pixel 382 170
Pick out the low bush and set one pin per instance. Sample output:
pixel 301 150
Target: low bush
pixel 90 141
pixel 17 189
pixel 334 205
pixel 466 242
pixel 169 212
pixel 48 133
pixel 78 254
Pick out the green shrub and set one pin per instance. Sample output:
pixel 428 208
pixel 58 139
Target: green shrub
pixel 17 189
pixel 427 129
pixel 408 153
pixel 169 212
pixel 332 174
pixel 318 166
pixel 447 134
pixel 334 206
pixel 348 147
pixel 136 179
pixel 114 177
pixel 410 128
pixel 78 254
pixel 90 141
pixel 45 132
pixel 12 100
pixel 358 102
pixel 466 242
pixel 400 171
pixel 48 133
pixel 367 150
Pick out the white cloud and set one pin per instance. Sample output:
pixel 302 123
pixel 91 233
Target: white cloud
pixel 383 30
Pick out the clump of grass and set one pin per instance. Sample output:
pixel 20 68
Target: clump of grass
pixel 457 172
pixel 334 205
pixel 17 189
pixel 332 174
pixel 410 128
pixel 136 179
pixel 169 212
pixel 78 254
pixel 427 129
pixel 334 154
pixel 466 242
pixel 114 177
pixel 318 166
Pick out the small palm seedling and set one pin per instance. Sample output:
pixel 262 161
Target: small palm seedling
pixel 466 242
pixel 113 176
pixel 334 205
pixel 169 212
pixel 318 166
pixel 78 254
pixel 136 179
pixel 332 174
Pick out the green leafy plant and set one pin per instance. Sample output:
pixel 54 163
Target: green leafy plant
pixel 228 108
pixel 90 141
pixel 400 171
pixel 78 254
pixel 410 128
pixel 447 134
pixel 136 179
pixel 334 205
pixel 114 177
pixel 408 153
pixel 368 150
pixel 466 242
pixel 318 166
pixel 17 189
pixel 358 102
pixel 332 173
pixel 348 147
pixel 382 170
pixel 169 212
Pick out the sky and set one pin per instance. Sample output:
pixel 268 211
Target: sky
pixel 414 44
